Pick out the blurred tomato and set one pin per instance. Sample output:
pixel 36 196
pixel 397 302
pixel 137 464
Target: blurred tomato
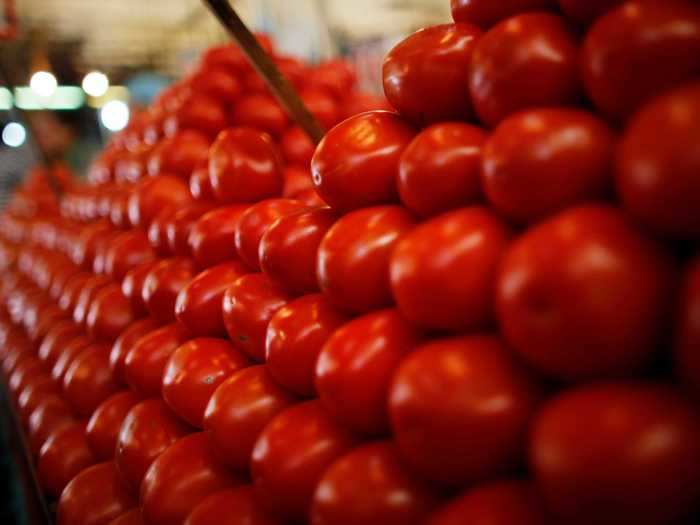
pixel 153 194
pixel 158 230
pixel 133 517
pixel 179 153
pixel 486 13
pixel 64 454
pixel 126 340
pixel 109 314
pixel 687 330
pixel 296 180
pixel 88 292
pixel 297 147
pixel 199 112
pixel 180 225
pixel 50 414
pixel 127 251
pixel 200 184
pixel 586 11
pixel 262 112
pixel 322 105
pixel 217 82
pixel 89 380
pixel 69 352
pixel 213 236
pixel 105 422
pixel 38 388
pixel 234 506
pixel 132 286
pixel 162 285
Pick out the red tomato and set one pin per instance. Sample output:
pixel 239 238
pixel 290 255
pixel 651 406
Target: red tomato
pixel 248 305
pixel 217 82
pixel 356 163
pixel 355 367
pixel 72 289
pixel 96 496
pixel 153 194
pixel 181 478
pixel 213 236
pixel 584 295
pixel 294 339
pixel 245 166
pixel 162 285
pixel 119 210
pixel 335 76
pixel 297 147
pixel 147 430
pixel 486 13
pixel 145 362
pixel 23 373
pixel 158 230
pixel 370 486
pixel 358 102
pixel 687 330
pixel 105 422
pixel 443 273
pixel 194 371
pixel 127 251
pixel 234 506
pixel 88 380
pixel 322 106
pixel 296 181
pixel 70 351
pixel 88 292
pixel 64 454
pixel 132 286
pixel 291 455
pixel 131 167
pixel 639 50
pixel 586 11
pixel 230 56
pixel 199 304
pixel 50 414
pixel 288 249
pixel 178 154
pixel 180 225
pixel 497 503
pixel 637 461
pixel 238 411
pixel 133 517
pixel 255 221
pixel 126 340
pixel 38 388
pixel 657 167
pixel 525 61
pixel 84 250
pixel 110 314
pixel 353 257
pixel 200 185
pixel 199 112
pixel 262 112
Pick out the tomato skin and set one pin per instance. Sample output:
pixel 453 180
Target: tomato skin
pixel 637 51
pixel 296 180
pixel 353 257
pixel 426 75
pixel 351 172
pixel 234 506
pixel 200 184
pixel 89 380
pixel 444 271
pixel 96 496
pixel 35 391
pixel 199 112
pixel 123 344
pixel 178 154
pixel 153 194
pixel 603 472
pixel 51 414
pixel 199 304
pixel 506 502
pixel 541 161
pixel 238 411
pixel 217 82
pixel 71 290
pixel 297 147
pixel 526 61
pixel 90 289
pixel 179 479
pixel 370 486
pixel 158 231
pixel 25 370
pixel 132 286
pixel 584 12
pixel 656 166
pixel 260 111
pixel 687 330
pixel 437 401
pixel 248 305
pixel 147 430
pixel 84 250
pixel 63 455
pixel 213 236
pixel 110 314
pixel 162 285
pixel 486 13
pixel 180 225
pixel 127 251
pixel 103 427
pixel 548 312
pixel 133 517
pixel 322 105
pixel 288 249
pixel 193 373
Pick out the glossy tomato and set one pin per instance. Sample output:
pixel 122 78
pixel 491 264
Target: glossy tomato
pixel 687 333
pixel 122 346
pixel 38 388
pixel 110 314
pixel 260 111
pixel 322 105
pixel 213 236
pixel 297 148
pixel 51 414
pixel 158 230
pixel 90 289
pixel 486 13
pixel 200 184
pixel 162 285
pixel 127 251
pixel 199 112
pixel 234 506
pixel 179 153
pixel 132 286
pixel 89 380
pixel 64 454
pixel 105 422
pixel 69 352
pixel 180 225
pixel 153 194
pixel 296 180
pixel 217 82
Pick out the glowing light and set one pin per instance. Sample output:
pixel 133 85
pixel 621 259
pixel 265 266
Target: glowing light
pixel 14 134
pixel 95 84
pixel 43 83
pixel 114 115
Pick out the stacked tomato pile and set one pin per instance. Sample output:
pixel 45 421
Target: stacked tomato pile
pixel 480 308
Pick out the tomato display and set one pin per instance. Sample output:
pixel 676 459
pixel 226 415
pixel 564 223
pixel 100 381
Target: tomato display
pixel 89 380
pixel 163 284
pixel 102 429
pixel 234 506
pixel 62 456
pixel 213 236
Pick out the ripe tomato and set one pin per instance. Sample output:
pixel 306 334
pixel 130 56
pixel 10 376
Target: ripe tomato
pixel 165 280
pixel 358 102
pixel 181 478
pixel 64 454
pixel 486 13
pixel 147 430
pixel 127 251
pixel 370 486
pixel 217 82
pixel 158 230
pixel 213 236
pixel 291 455
pixel 295 335
pixel 229 56
pixel 23 373
pixel 86 295
pixel 84 250
pixel 124 343
pixel 607 472
pixel 639 50
pixel 179 153
pixel 687 330
pixel 88 380
pixel 199 304
pixel 238 411
pixel 72 289
pixel 105 422
pixel 70 351
pixel 353 257
pixel 288 249
pixel 584 295
pixel 132 286
pixel 94 497
pixel 255 221
pixel 198 112
pixel 296 180
pixel 525 61
pixel 153 194
pixel 444 271
pixel 50 414
pixel 355 367
pixel 334 76
pixel 356 163
pixel 234 506
pixel 200 185
pixel 133 517
pixel 248 305
pixel 260 111
pixel 194 371
pixel 657 167
pixel 180 225
pixel 585 12
pixel 437 401
pixel 38 388
pixel 322 105
pixel 109 314
pixel 297 148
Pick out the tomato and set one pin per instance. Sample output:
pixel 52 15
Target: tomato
pixel 586 11
pixel 198 112
pixel 131 167
pixel 147 430
pixel 353 257
pixel 38 388
pixel 686 349
pixel 370 486
pixel 296 180
pixel 109 314
pixel 126 340
pixel 606 471
pixel 145 362
pixel 355 165
pixel 234 506
pixel 50 414
pixel 158 230
pixel 639 50
pixel 72 289
pixel 60 279
pixel 94 497
pixel 132 286
pixel 358 102
pixel 321 105
pixel 180 225
pixel 334 76
pixel 88 380
pixel 194 371
pixel 229 56
pixel 23 372
pixel 153 194
pixel 199 304
pixel 200 185
pixel 506 502
pixel 262 112
pixel 657 167
pixel 291 455
pixel 297 147
pixel 238 411
pixel 584 295
pixel 105 422
pixel 84 250
pixel 88 292
pixel 295 335
pixel 255 221
pixel 127 251
pixel 178 154
pixel 162 285
pixel 217 82
pixel 248 305
pixel 119 209
pixel 213 236
pixel 486 13
pixel 69 352
pixel 133 517
pixel 63 455
pixel 288 249
pixel 179 479
pixel 245 166
pixel 525 61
